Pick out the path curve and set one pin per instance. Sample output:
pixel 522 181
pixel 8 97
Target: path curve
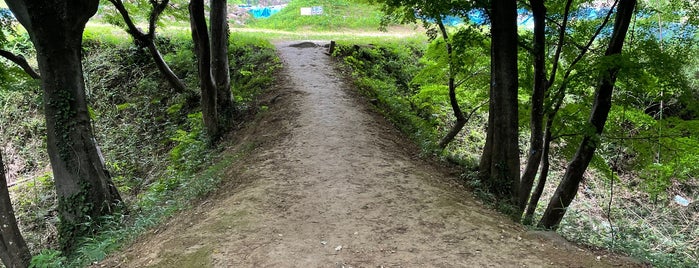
pixel 334 185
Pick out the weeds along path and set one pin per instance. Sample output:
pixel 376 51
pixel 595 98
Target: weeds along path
pixel 331 184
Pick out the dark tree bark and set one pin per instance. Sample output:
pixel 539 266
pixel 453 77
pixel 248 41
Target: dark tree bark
pixel 458 114
pixel 147 40
pixel 500 160
pixel 558 101
pixel 84 188
pixel 219 58
pixel 203 51
pixel 21 62
pixel 543 175
pixel 13 250
pixel 537 102
pixel 568 188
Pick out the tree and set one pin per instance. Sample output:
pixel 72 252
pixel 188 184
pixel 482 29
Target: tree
pixel 147 39
pixel 568 188
pixel 219 59
pixel 202 49
pixel 433 13
pixel 537 102
pixel 212 57
pixel 499 164
pixel 540 149
pixel 84 187
pixel 13 250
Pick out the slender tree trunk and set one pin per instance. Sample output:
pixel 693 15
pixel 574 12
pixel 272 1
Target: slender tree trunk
pixel 208 89
pixel 13 250
pixel 458 114
pixel 163 67
pixel 219 59
pixel 148 40
pixel 84 188
pixel 537 102
pixel 543 175
pixel 500 159
pixel 21 62
pixel 568 188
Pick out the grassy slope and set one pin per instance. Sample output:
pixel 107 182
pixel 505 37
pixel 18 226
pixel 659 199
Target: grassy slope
pixel 158 172
pixel 338 14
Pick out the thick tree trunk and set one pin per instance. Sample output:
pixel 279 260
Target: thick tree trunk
pixel 568 188
pixel 21 62
pixel 458 114
pixel 537 102
pixel 500 159
pixel 13 250
pixel 84 188
pixel 208 89
pixel 148 40
pixel 219 58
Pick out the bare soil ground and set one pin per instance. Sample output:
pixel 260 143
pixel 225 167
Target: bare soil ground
pixel 331 184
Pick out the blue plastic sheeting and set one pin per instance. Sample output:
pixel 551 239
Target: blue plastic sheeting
pixel 479 17
pixel 263 12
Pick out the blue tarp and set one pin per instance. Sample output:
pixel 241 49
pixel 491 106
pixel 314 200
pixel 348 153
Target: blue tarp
pixel 263 12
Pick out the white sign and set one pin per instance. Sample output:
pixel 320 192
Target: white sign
pixel 311 11
pixel 306 11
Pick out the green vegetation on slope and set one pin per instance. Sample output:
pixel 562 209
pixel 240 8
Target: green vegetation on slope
pixel 408 87
pixel 337 15
pixel 151 136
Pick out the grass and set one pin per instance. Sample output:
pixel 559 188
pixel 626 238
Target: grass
pixel 337 14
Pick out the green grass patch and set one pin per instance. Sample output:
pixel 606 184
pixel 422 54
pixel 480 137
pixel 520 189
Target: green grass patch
pixel 337 14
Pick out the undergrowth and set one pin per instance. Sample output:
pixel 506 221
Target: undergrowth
pixel 151 135
pixel 408 87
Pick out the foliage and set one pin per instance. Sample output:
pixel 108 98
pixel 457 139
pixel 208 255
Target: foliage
pixel 629 146
pixel 48 258
pixel 337 15
pixel 159 171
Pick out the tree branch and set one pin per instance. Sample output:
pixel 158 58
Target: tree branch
pixel 21 61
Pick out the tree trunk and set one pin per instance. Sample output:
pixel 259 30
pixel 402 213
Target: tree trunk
pixel 148 40
pixel 500 159
pixel 208 89
pixel 13 250
pixel 163 67
pixel 543 175
pixel 21 62
pixel 458 114
pixel 84 188
pixel 219 59
pixel 568 188
pixel 537 102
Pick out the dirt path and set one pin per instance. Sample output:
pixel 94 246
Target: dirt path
pixel 334 185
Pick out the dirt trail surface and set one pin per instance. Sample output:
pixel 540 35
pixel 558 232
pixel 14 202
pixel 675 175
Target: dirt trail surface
pixel 331 184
